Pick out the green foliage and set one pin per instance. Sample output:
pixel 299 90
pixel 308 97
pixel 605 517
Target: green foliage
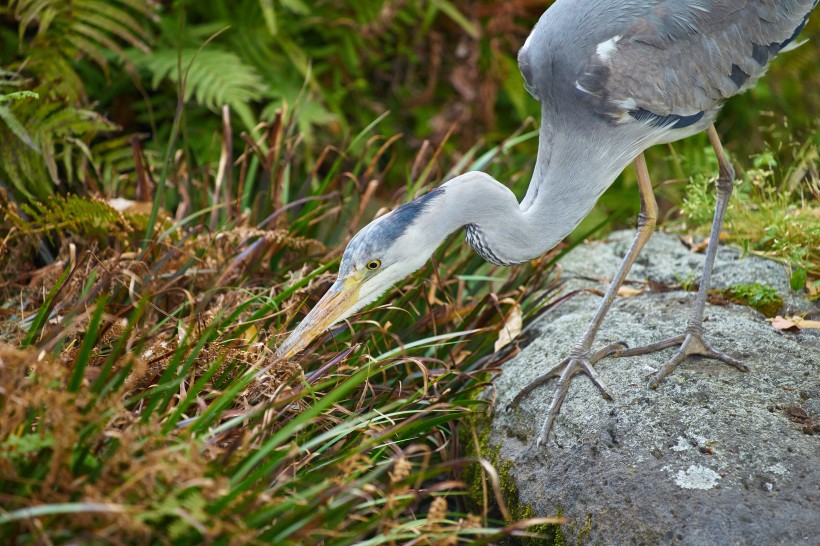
pixel 159 403
pixel 67 30
pixel 343 62
pixel 53 145
pixel 214 77
pixel 435 65
pixel 148 404
pixel 83 217
pixel 699 203
pixel 688 283
pixel 760 297
pixel 18 95
pixel 19 447
pixel 798 279
pixel 479 484
pixel 50 138
pixel 12 124
pixel 774 209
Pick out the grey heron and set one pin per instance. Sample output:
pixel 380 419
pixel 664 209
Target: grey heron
pixel 613 78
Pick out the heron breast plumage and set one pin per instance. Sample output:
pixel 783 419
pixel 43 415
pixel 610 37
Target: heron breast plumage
pixel 476 240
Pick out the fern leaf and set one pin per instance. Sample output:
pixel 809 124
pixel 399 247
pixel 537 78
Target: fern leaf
pixel 119 22
pixel 69 29
pixel 57 134
pixel 86 217
pixel 17 128
pixel 216 77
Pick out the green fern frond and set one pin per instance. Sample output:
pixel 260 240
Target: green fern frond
pixel 102 21
pixel 217 77
pixel 85 217
pixel 114 164
pixel 18 95
pixel 11 80
pixel 48 142
pixel 68 30
pixel 40 137
pixel 16 128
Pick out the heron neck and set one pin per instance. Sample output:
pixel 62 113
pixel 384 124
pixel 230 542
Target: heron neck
pixel 504 231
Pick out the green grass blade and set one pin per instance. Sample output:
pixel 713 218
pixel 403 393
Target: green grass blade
pixel 45 309
pixel 89 340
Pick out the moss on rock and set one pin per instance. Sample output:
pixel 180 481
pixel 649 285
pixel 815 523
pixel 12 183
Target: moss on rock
pixel 509 491
pixel 760 297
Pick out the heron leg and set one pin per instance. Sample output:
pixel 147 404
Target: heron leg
pixel 692 341
pixel 581 359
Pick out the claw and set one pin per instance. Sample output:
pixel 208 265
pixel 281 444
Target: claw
pixel 597 380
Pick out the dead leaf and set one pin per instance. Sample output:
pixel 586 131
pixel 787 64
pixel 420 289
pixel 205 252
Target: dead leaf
pixel 813 290
pixel 794 324
pixel 784 324
pixel 432 299
pixel 251 334
pixel 701 246
pixel 461 356
pixel 627 292
pixel 804 324
pixel 127 205
pixel 512 327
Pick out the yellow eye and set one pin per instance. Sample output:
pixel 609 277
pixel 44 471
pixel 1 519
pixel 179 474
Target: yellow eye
pixel 373 264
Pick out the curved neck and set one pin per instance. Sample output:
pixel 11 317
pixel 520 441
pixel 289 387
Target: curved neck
pixel 505 232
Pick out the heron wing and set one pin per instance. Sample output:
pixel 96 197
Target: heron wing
pixel 683 57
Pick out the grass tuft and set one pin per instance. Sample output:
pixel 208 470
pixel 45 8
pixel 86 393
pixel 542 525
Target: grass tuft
pixel 148 405
pixel 774 211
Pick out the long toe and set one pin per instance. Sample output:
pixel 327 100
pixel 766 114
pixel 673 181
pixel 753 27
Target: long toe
pixel 558 400
pixel 554 373
pixel 581 362
pixel 690 345
pixel 667 368
pixel 723 357
pixel 651 348
pixel 597 379
pixel 615 349
pixel 584 365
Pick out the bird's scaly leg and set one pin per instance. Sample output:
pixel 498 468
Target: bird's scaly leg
pixel 581 360
pixel 692 341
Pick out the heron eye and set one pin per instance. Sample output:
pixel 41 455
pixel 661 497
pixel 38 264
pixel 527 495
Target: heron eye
pixel 374 264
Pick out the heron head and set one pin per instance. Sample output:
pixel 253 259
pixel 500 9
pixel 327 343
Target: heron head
pixel 382 253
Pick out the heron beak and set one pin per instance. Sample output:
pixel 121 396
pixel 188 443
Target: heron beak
pixel 333 307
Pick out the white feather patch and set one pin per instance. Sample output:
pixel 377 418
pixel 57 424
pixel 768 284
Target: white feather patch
pixel 792 46
pixel 583 89
pixel 604 50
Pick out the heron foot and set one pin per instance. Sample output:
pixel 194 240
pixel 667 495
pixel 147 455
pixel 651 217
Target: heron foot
pixel 689 344
pixel 568 368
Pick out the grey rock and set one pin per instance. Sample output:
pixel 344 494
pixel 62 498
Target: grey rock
pixel 710 457
pixel 666 261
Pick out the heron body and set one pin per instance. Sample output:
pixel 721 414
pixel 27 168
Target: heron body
pixel 613 79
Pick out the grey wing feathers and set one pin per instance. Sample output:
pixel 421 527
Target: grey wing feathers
pixel 683 57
